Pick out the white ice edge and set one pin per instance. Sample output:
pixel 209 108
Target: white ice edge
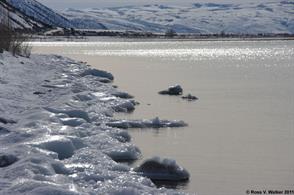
pixel 60 143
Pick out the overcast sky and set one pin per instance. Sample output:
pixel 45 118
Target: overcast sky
pixel 62 4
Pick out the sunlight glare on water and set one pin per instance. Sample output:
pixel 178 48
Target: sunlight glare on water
pixel 185 51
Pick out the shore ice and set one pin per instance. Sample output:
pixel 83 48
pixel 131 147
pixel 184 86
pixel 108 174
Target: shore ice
pixel 58 142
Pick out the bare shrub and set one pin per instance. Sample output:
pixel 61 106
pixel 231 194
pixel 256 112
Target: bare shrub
pixel 12 40
pixel 5 37
pixel 19 45
pixel 170 33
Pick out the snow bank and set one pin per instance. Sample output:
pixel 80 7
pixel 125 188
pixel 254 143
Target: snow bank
pixel 57 141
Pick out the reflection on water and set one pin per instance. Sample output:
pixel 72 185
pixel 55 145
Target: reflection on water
pixel 173 50
pixel 241 131
pixel 171 184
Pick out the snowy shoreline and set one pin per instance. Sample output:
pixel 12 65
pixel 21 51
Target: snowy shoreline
pixel 54 135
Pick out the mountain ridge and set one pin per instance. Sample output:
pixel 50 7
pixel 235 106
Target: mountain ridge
pixel 19 20
pixel 207 18
pixel 275 17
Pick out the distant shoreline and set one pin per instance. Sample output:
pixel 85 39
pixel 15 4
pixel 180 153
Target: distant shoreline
pixel 76 34
pixel 91 38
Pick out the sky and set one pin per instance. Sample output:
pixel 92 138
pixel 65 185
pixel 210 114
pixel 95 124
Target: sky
pixel 62 4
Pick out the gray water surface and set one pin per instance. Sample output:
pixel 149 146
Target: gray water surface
pixel 241 130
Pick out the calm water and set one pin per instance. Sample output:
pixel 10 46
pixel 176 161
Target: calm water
pixel 241 131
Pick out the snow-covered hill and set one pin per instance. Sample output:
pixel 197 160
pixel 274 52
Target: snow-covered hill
pixel 18 19
pixel 40 12
pixel 252 18
pixel 275 16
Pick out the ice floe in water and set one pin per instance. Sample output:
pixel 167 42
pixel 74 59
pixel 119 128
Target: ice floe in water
pixel 64 139
pixel 162 169
pixel 153 123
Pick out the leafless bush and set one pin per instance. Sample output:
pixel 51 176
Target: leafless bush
pixel 19 45
pixel 12 40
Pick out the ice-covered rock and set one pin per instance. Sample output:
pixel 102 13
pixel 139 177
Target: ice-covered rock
pixel 162 169
pixel 73 122
pixel 172 90
pixel 121 94
pixel 39 93
pixel 121 135
pixel 7 159
pixel 98 73
pixel 126 106
pixel 190 97
pixel 153 123
pixel 6 121
pixel 3 130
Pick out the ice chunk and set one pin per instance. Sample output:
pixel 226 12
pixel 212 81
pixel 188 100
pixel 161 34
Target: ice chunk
pixel 39 93
pixel 127 106
pixel 127 153
pixel 104 80
pixel 7 159
pixel 60 168
pixel 33 187
pixel 84 97
pixel 120 135
pixel 52 190
pixel 71 113
pixel 153 123
pixel 3 130
pixel 122 95
pixel 162 169
pixel 6 121
pixel 55 86
pixel 98 73
pixel 190 97
pixel 64 147
pixel 172 90
pixel 73 122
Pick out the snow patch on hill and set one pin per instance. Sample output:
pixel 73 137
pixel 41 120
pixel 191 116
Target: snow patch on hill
pixel 41 13
pixel 267 17
pixel 18 19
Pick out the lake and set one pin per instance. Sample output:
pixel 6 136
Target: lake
pixel 241 130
